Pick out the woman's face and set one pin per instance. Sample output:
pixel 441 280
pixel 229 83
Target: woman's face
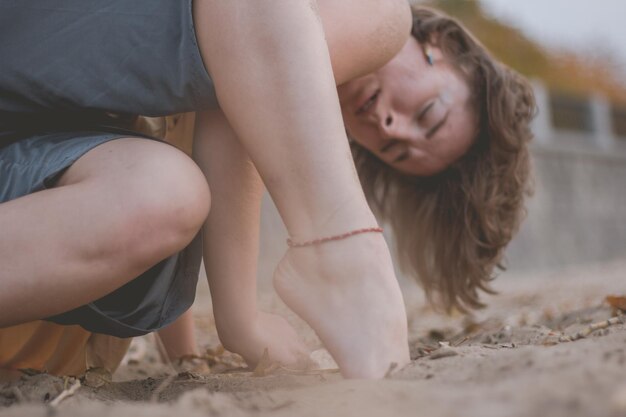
pixel 412 115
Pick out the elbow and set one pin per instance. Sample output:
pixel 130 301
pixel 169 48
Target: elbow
pixel 392 29
pixel 363 35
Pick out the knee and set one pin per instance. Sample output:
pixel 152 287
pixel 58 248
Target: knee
pixel 167 201
pixel 181 199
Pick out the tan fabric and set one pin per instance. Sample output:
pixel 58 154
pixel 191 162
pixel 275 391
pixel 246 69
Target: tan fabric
pixel 59 350
pixel 176 129
pixel 179 131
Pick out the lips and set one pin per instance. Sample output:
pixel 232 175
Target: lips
pixel 391 148
pixel 389 145
pixel 403 156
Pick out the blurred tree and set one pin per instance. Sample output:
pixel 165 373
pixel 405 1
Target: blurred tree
pixel 562 71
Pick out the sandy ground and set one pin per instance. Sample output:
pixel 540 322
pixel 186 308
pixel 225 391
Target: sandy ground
pixel 510 359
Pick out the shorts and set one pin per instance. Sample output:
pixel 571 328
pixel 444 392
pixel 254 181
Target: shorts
pixel 151 301
pixel 69 69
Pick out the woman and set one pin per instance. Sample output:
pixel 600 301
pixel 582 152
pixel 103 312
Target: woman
pixel 372 110
pixel 439 135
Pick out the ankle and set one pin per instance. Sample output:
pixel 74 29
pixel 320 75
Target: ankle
pixel 346 217
pixel 336 262
pixel 321 240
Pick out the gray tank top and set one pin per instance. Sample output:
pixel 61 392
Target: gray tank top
pixel 121 56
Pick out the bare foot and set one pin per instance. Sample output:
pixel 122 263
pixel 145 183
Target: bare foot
pixel 347 291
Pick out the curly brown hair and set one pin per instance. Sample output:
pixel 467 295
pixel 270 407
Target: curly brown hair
pixel 451 229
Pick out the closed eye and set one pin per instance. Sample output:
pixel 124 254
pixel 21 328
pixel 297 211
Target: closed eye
pixel 424 112
pixel 368 104
pixel 436 127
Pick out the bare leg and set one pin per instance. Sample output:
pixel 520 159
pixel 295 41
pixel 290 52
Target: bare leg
pixel 272 71
pixel 179 338
pixel 118 210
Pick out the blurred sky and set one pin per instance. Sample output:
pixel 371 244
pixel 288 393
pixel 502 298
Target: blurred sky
pixel 578 25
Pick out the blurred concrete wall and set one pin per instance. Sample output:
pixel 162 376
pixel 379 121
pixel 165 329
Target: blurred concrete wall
pixel 578 213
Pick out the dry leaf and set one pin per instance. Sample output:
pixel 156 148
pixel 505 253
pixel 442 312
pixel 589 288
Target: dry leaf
pixel 194 364
pixel 617 302
pixel 97 377
pixel 265 365
pixel 217 351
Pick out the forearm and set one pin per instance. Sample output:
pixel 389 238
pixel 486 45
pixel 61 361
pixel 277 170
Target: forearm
pixel 231 232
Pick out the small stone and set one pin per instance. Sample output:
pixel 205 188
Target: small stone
pixel 443 352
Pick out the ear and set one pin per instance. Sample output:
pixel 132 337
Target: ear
pixel 433 51
pixel 428 55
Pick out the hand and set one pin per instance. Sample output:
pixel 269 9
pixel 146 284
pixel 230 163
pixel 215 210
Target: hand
pixel 274 333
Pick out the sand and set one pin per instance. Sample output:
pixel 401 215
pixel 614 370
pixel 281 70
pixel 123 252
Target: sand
pixel 511 359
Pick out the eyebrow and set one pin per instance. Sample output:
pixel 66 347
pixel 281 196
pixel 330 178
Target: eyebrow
pixel 438 126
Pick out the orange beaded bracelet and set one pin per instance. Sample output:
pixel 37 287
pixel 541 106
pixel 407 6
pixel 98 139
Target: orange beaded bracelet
pixel 321 240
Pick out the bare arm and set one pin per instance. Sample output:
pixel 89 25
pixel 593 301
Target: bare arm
pixel 231 232
pixel 231 246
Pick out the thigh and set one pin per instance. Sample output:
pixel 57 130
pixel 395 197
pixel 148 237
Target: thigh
pixel 35 162
pixel 48 160
pixel 117 183
pixel 160 179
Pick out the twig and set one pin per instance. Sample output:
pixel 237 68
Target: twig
pixel 458 343
pixel 173 373
pixel 592 328
pixel 392 368
pixel 443 352
pixel 166 383
pixel 65 394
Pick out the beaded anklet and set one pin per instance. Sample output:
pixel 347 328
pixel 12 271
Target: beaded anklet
pixel 321 240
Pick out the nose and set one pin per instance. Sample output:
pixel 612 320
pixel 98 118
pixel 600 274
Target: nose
pixel 392 125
